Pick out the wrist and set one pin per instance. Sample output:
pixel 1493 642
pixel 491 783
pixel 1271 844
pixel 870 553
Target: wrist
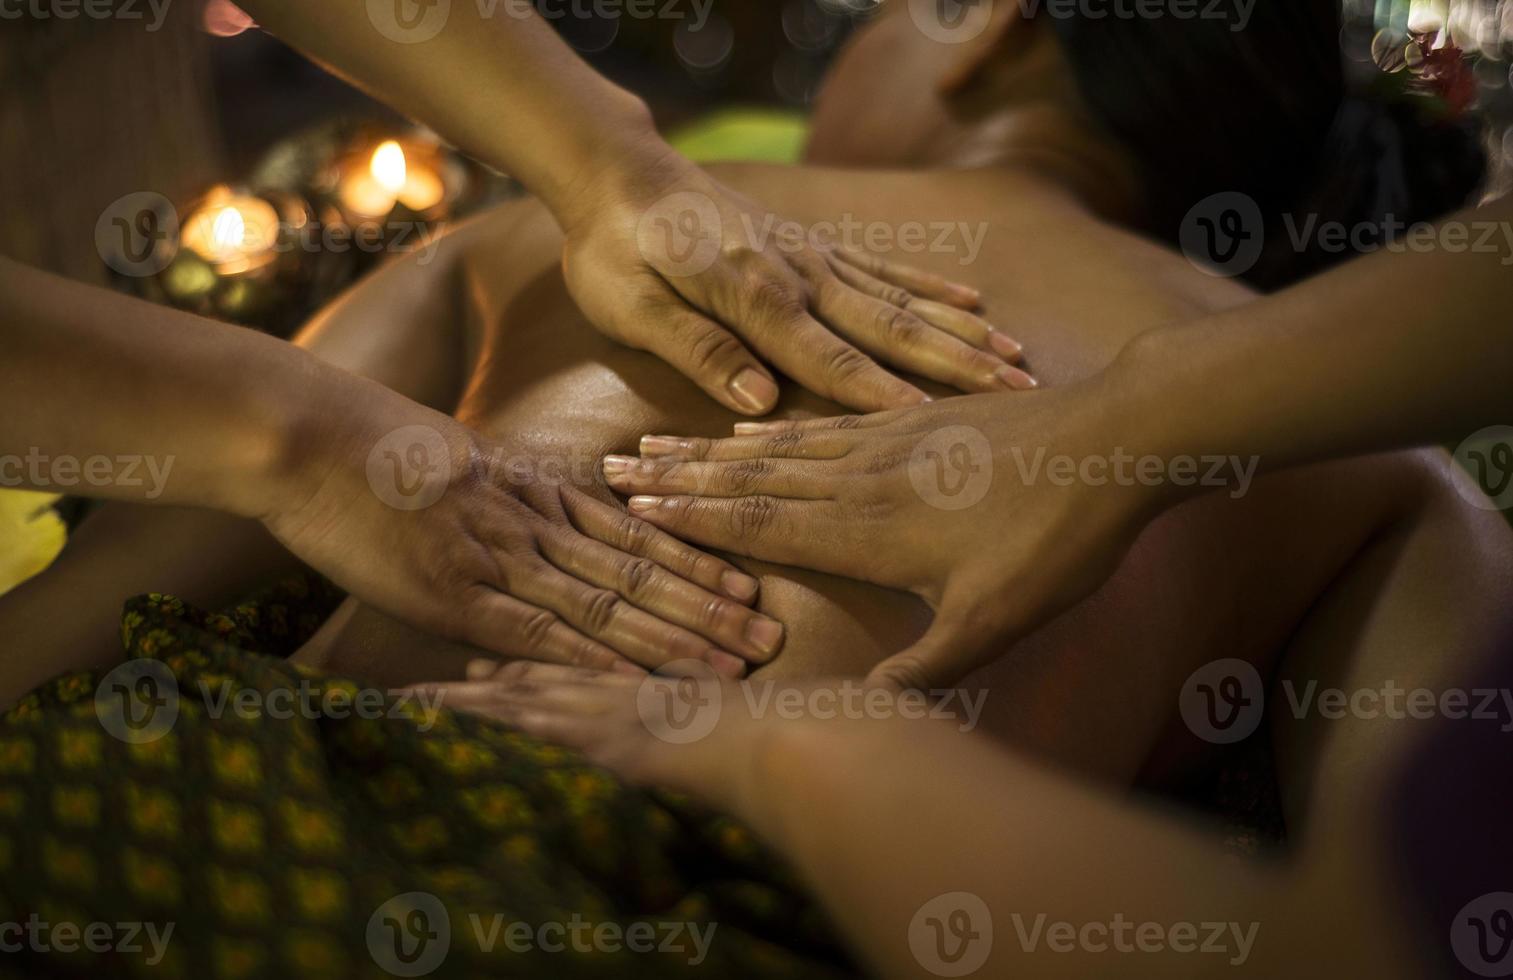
pixel 625 164
pixel 1139 409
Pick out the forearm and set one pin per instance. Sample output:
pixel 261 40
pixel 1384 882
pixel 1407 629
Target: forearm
pixel 880 818
pixel 106 396
pixel 504 87
pixel 1396 349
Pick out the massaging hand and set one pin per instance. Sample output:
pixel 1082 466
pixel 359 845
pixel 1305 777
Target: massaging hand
pixel 944 501
pixel 683 730
pixel 669 261
pixel 418 515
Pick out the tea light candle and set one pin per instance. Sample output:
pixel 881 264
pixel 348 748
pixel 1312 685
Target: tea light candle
pixel 234 233
pixel 390 178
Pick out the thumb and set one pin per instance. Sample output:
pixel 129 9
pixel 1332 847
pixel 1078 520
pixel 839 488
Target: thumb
pixel 715 360
pixel 960 639
pixel 938 659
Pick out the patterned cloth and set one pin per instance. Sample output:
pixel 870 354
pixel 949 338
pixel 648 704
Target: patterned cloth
pixel 308 844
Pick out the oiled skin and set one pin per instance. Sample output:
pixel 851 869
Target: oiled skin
pixel 1097 688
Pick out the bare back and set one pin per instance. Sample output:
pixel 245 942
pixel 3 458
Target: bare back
pixel 1096 688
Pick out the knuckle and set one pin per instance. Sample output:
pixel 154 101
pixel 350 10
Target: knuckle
pixel 884 461
pixel 783 444
pixel 746 474
pixel 894 295
pixel 633 536
pixel 777 299
pixel 600 609
pixel 752 517
pixel 848 422
pixel 844 364
pixel 536 632
pixel 637 578
pixel 714 613
pixel 899 327
pixel 711 348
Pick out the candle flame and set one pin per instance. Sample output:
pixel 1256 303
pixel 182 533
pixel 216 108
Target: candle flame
pixel 229 230
pixel 388 166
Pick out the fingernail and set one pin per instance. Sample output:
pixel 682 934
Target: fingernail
pixel 754 391
pixel 617 466
pixel 967 294
pixel 725 663
pixel 738 586
pixel 662 445
pixel 752 428
pixel 765 634
pixel 1015 379
pixel 481 669
pixel 641 504
pixel 1003 345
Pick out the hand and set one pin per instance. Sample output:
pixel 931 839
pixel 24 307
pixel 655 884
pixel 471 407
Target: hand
pixel 671 262
pixel 613 719
pixel 418 515
pixel 946 501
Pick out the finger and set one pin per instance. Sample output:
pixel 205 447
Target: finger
pixel 916 281
pixel 779 325
pixel 534 672
pixel 713 358
pixel 739 478
pixel 573 708
pixel 905 341
pixel 505 625
pixel 770 528
pixel 957 322
pixel 605 616
pixel 655 590
pixel 843 422
pixel 780 445
pixel 840 372
pixel 620 530
pixel 968 327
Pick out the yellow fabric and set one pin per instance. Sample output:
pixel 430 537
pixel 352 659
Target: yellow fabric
pixel 31 535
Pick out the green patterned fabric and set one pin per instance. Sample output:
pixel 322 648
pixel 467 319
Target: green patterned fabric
pixel 272 844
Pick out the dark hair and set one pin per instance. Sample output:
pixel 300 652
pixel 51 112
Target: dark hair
pixel 1208 105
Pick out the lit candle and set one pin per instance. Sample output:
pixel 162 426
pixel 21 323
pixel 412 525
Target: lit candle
pixel 238 256
pixel 233 233
pixel 391 178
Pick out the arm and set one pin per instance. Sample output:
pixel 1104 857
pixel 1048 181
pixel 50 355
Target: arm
pixel 1390 350
pixel 484 82
pixel 883 816
pixel 1386 351
pixel 400 505
pixel 659 256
